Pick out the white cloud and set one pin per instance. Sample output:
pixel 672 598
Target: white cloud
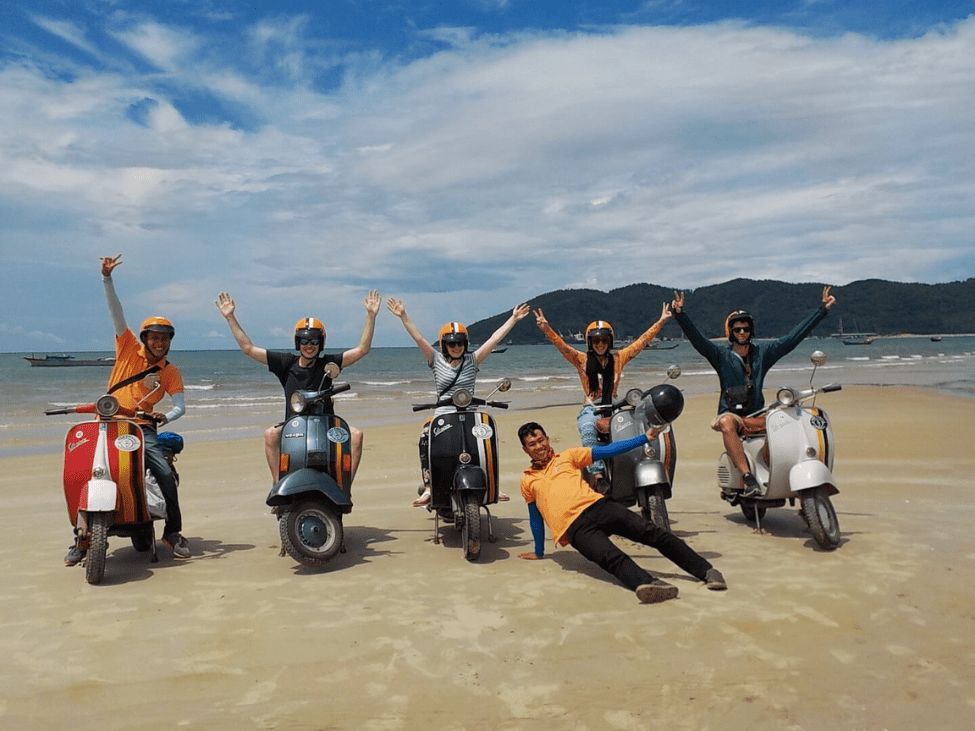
pixel 515 166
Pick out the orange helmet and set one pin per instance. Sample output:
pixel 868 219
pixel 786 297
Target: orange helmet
pixel 309 327
pixel 453 332
pixel 738 315
pixel 597 329
pixel 156 325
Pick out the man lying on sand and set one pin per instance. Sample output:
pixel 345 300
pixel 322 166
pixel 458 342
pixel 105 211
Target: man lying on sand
pixel 557 493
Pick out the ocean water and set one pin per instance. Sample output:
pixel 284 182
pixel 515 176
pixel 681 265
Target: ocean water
pixel 230 396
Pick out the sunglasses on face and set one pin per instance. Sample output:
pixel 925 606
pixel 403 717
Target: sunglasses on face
pixel 309 341
pixel 600 341
pixel 741 329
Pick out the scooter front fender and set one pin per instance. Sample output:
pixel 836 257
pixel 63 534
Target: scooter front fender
pixel 651 473
pixel 99 496
pixel 308 480
pixel 470 478
pixel 811 473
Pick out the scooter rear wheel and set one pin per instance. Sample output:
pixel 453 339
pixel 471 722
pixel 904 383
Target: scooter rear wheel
pixel 310 531
pixel 98 524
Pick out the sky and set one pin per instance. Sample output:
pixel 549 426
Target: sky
pixel 466 156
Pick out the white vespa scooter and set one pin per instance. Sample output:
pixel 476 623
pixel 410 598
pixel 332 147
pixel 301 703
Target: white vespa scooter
pixel 792 460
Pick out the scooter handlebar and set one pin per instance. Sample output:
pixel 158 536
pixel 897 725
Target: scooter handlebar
pixel 832 387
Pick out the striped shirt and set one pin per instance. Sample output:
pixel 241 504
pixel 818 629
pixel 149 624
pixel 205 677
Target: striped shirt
pixel 443 376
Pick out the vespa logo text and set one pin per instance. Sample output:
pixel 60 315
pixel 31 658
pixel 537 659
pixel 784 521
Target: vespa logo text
pixel 72 447
pixel 437 431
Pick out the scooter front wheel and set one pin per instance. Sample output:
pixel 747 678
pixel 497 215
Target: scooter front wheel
pixel 311 532
pixel 653 506
pixel 818 511
pixel 470 532
pixel 98 525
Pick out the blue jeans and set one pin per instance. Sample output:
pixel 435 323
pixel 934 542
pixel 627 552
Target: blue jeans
pixel 159 467
pixel 586 421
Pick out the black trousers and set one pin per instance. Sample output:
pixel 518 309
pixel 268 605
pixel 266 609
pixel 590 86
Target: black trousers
pixel 589 535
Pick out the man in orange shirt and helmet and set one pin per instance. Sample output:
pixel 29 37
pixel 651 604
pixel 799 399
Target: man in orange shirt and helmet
pixel 135 359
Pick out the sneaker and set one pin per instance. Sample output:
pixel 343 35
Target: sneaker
pixel 658 591
pixel 180 546
pixel 714 581
pixel 75 555
pixel 752 488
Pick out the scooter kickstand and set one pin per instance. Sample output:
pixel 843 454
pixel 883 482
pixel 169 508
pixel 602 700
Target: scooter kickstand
pixel 436 527
pixel 491 537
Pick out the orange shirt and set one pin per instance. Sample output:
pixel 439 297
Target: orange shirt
pixel 620 359
pixel 559 490
pixel 130 359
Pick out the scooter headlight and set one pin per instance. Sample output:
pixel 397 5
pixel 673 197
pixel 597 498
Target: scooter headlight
pixel 107 406
pixel 298 402
pixel 786 396
pixel 462 398
pixel 634 396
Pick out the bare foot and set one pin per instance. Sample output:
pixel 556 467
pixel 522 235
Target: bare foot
pixel 424 499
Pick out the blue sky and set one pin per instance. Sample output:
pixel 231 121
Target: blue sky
pixel 466 156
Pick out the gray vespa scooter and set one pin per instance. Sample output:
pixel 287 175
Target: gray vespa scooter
pixel 644 476
pixel 314 489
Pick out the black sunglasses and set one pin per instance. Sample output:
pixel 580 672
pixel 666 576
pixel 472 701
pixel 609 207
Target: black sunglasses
pixel 309 341
pixel 741 329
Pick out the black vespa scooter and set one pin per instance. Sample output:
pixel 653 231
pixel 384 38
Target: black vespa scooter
pixel 314 489
pixel 464 465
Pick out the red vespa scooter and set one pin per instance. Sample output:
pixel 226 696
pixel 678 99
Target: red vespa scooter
pixel 105 482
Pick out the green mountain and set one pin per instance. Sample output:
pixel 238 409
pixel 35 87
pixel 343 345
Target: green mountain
pixel 870 305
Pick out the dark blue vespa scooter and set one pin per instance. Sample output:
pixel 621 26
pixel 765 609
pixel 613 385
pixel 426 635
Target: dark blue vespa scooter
pixel 314 489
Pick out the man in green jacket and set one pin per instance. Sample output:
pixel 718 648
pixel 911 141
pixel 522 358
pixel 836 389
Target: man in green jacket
pixel 741 366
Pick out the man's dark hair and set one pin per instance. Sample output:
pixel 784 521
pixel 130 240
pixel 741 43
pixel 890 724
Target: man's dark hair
pixel 526 430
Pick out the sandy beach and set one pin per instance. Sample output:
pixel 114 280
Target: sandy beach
pixel 399 633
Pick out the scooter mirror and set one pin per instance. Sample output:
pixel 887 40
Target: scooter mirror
pixel 818 358
pixel 504 385
pixel 151 382
pixel 332 370
pixel 673 372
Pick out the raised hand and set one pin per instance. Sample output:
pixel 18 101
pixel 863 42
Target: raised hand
pixel 109 263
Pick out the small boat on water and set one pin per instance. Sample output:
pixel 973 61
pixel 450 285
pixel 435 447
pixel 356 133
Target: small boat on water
pixel 935 338
pixel 858 339
pixel 64 361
